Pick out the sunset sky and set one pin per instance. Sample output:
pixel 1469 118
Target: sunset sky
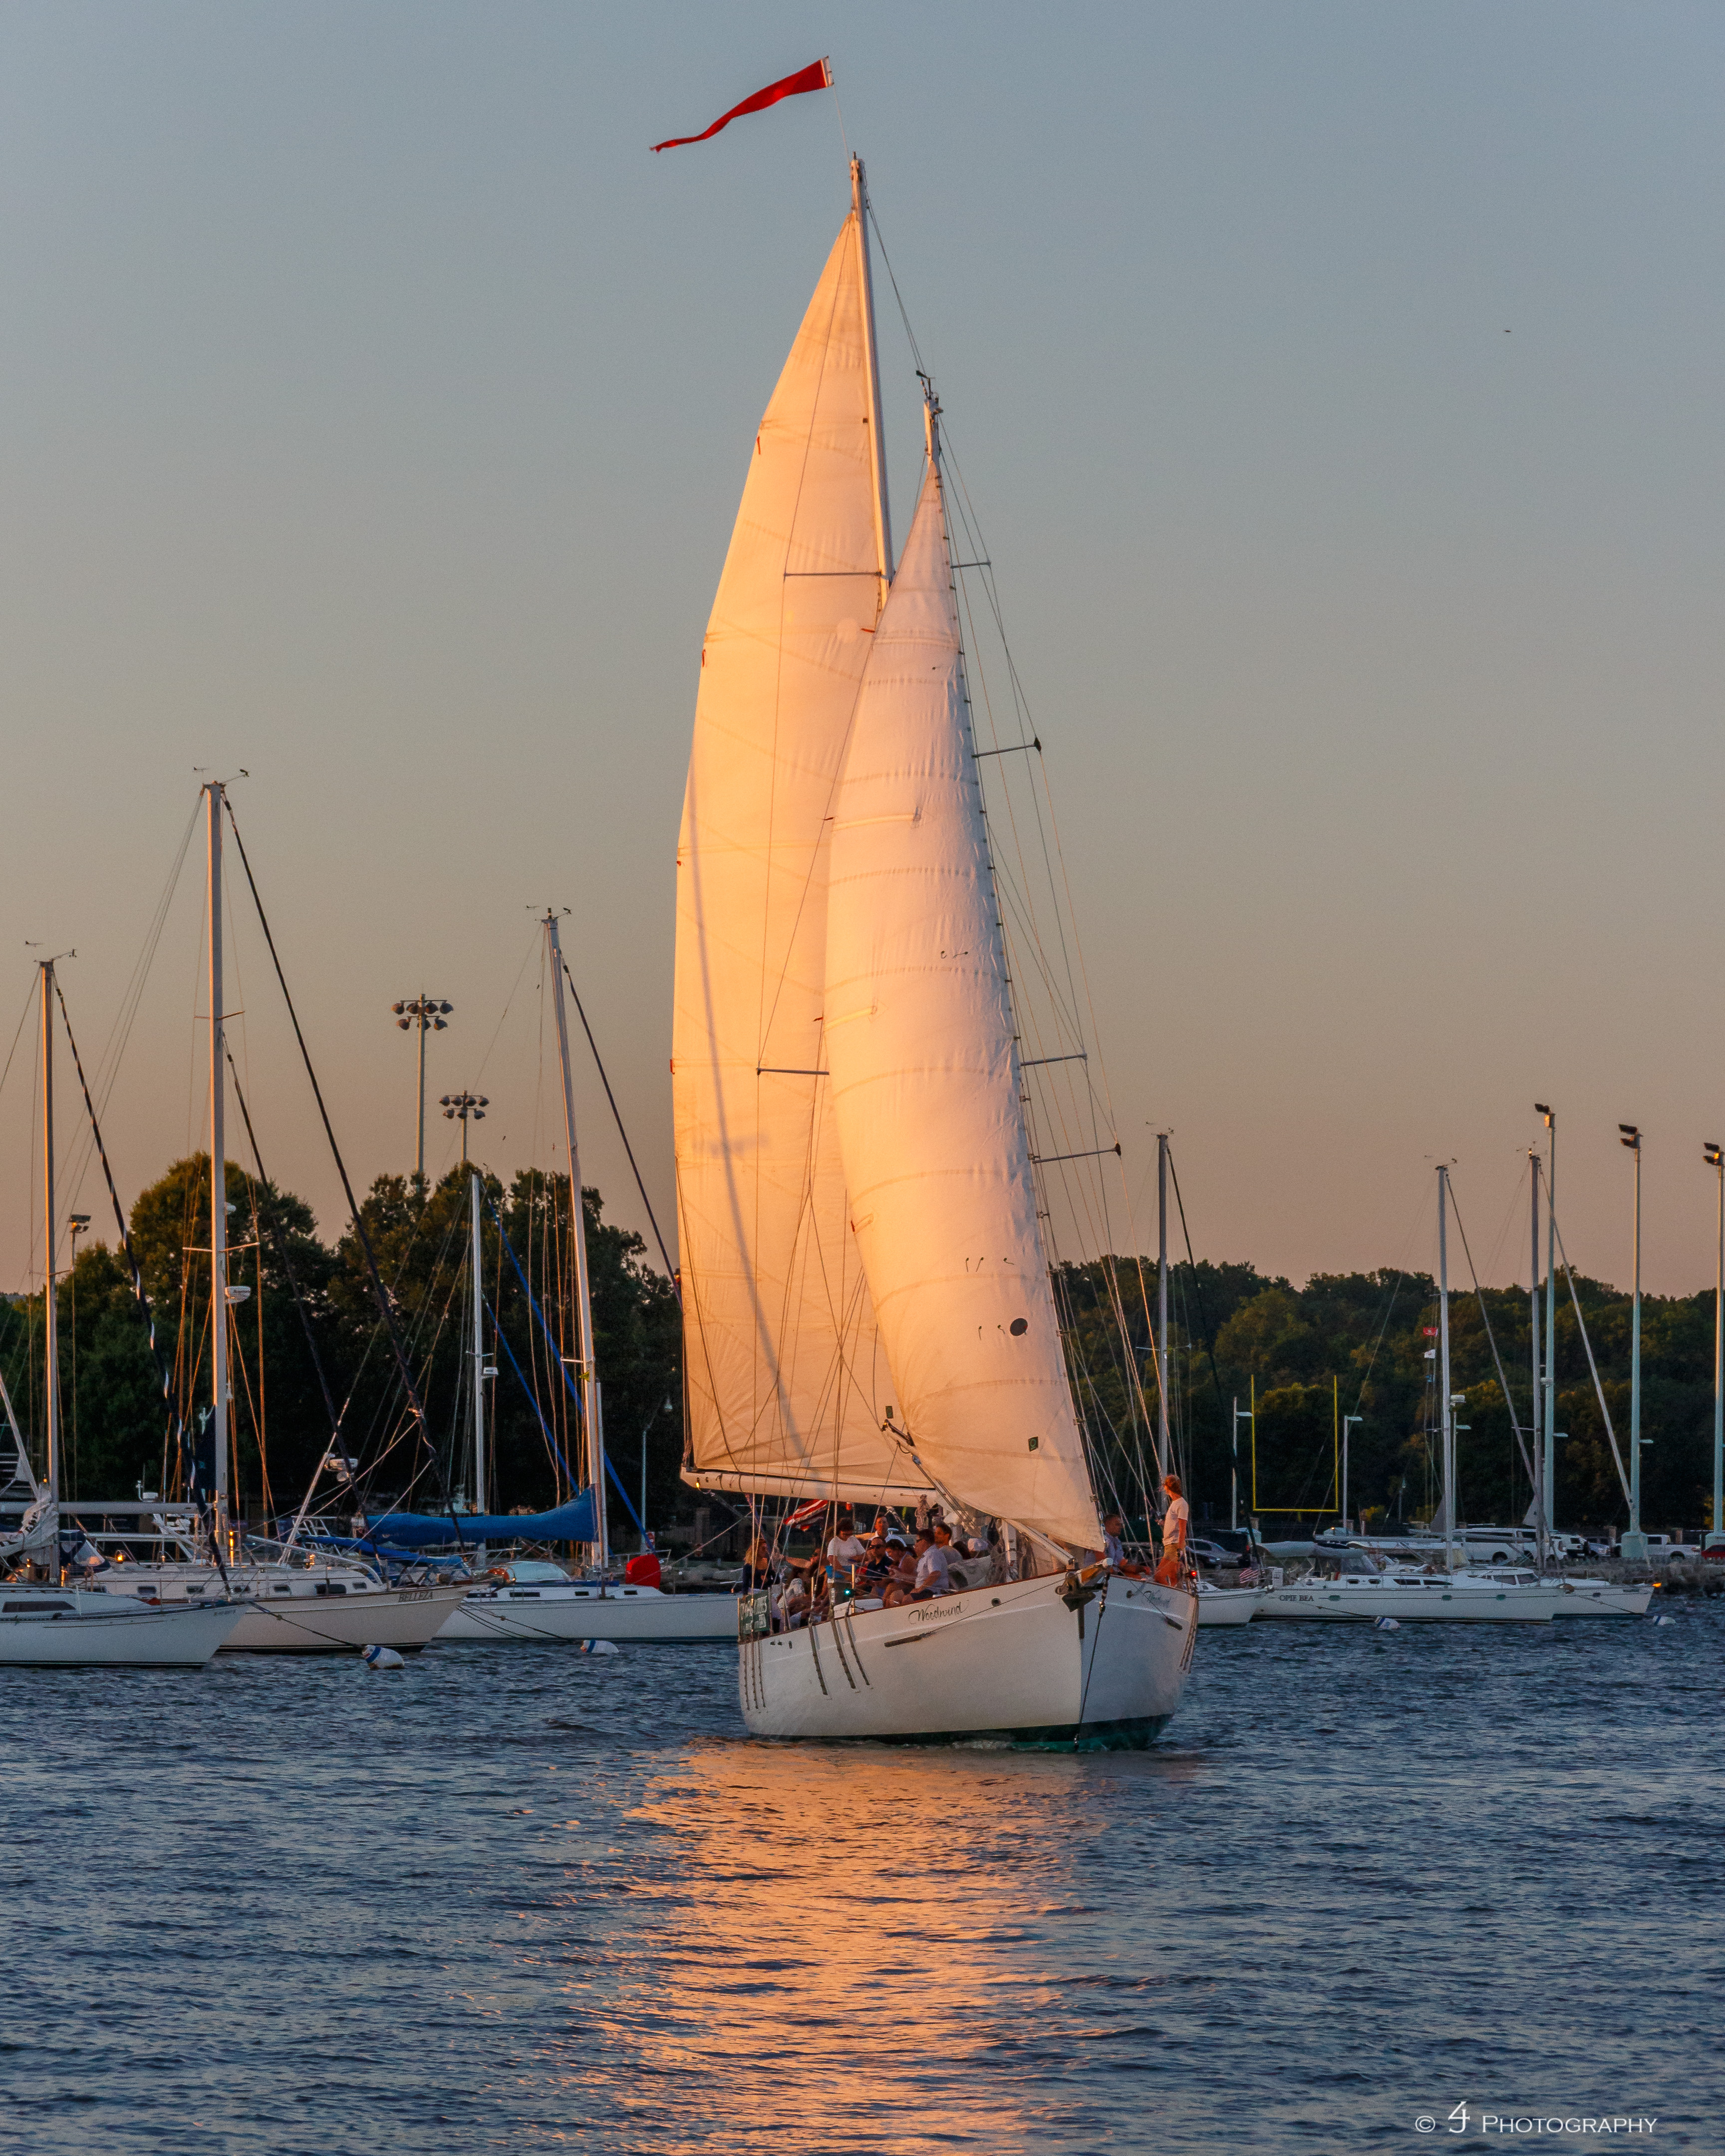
pixel 1339 389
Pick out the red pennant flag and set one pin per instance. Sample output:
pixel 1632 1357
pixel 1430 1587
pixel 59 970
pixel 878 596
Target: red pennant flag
pixel 818 77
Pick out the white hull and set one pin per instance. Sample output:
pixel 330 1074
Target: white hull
pixel 1013 1661
pixel 1229 1605
pixel 1436 1601
pixel 116 1637
pixel 288 1611
pixel 1602 1598
pixel 551 1614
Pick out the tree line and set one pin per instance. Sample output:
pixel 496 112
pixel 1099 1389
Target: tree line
pixel 1365 1344
pixel 313 1367
pixel 313 1370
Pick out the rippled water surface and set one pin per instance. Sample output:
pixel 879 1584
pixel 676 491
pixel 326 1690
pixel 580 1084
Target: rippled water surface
pixel 518 1898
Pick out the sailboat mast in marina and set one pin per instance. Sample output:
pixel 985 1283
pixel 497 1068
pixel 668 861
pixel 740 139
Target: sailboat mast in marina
pixel 220 1526
pixel 591 1414
pixel 868 1314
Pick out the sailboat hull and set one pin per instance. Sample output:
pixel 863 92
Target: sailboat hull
pixel 1016 1663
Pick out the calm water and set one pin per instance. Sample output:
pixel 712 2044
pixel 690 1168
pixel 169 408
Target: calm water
pixel 520 1899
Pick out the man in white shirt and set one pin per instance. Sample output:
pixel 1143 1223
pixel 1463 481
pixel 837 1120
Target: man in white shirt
pixel 932 1576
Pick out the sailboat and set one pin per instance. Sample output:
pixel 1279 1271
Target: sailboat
pixel 537 1603
pixel 288 1602
pixel 868 1315
pixel 1362 1589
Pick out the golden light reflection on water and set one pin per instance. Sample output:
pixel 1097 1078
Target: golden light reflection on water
pixel 864 1949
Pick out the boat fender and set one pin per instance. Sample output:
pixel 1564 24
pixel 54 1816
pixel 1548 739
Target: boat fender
pixel 1665 1621
pixel 1386 1624
pixel 383 1658
pixel 599 1646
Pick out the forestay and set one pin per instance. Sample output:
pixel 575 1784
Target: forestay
pixel 784 1382
pixel 925 1083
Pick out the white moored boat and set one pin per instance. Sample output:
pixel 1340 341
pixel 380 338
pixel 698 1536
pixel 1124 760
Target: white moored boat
pixel 540 1603
pixel 69 1628
pixel 1583 1596
pixel 1228 1606
pixel 868 1315
pixel 1460 1598
pixel 320 1606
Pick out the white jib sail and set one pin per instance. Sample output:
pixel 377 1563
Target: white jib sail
pixel 779 1343
pixel 926 1082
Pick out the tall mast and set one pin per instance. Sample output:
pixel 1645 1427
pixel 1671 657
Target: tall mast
pixel 1162 1414
pixel 479 1361
pixel 1716 1161
pixel 588 1376
pixel 1448 1422
pixel 213 794
pixel 1634 1544
pixel 51 1340
pixel 877 441
pixel 1539 1519
pixel 1550 1462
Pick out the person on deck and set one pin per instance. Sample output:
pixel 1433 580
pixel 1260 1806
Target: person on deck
pixel 1114 1554
pixel 932 1575
pixel 901 1580
pixel 845 1551
pixel 1175 1522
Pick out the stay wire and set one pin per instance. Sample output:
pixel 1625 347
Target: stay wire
pixel 358 1218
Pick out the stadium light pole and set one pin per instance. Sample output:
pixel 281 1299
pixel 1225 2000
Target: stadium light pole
pixel 461 1107
pixel 426 1014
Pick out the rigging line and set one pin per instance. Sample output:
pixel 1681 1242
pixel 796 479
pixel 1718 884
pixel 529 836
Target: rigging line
pixel 107 1072
pixel 280 1236
pixel 618 1113
pixel 910 334
pixel 162 1370
pixel 1599 1389
pixel 1485 1316
pixel 29 997
pixel 568 1382
pixel 365 1240
pixel 1209 1331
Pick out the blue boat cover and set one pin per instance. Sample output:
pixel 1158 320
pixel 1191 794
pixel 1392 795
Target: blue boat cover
pixel 573 1522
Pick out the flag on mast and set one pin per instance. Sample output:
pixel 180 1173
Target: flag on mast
pixel 819 76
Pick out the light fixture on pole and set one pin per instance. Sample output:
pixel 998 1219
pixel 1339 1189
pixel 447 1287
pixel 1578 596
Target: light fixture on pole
pixel 1715 1157
pixel 1633 1547
pixel 425 1014
pixel 462 1106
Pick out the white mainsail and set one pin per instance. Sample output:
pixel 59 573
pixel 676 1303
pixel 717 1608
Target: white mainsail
pixel 779 1344
pixel 925 1083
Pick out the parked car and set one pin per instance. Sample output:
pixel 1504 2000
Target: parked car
pixel 1210 1554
